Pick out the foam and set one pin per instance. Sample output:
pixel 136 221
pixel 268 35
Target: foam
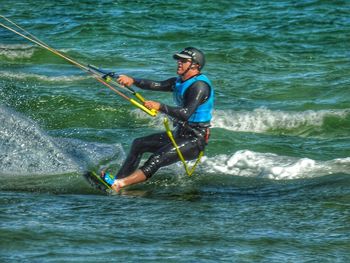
pixel 262 119
pixel 26 76
pixel 27 150
pixel 268 165
pixel 16 51
pixel 19 51
pixel 153 121
pixel 88 154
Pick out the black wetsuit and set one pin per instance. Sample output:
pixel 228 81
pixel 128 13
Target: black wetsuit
pixel 190 137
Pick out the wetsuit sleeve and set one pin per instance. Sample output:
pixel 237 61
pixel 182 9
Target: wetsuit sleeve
pixel 194 96
pixel 166 85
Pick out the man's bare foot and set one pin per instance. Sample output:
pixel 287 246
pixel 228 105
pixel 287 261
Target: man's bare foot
pixel 116 186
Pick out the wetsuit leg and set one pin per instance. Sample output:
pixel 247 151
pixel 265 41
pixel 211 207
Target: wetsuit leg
pixel 167 155
pixel 150 143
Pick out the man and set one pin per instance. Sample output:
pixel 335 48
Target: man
pixel 194 96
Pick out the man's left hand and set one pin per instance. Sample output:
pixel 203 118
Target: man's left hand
pixel 152 105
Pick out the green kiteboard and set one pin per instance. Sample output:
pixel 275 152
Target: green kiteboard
pixel 96 181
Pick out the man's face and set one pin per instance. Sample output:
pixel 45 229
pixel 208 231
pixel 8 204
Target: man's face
pixel 182 65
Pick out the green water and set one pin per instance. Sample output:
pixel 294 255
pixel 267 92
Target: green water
pixel 274 183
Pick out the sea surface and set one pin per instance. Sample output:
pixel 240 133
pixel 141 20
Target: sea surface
pixel 274 184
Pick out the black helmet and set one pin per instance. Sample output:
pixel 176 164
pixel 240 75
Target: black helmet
pixel 192 53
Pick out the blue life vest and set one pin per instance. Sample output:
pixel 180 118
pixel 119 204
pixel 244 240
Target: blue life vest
pixel 204 112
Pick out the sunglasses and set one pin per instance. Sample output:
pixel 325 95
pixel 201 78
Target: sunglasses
pixel 183 60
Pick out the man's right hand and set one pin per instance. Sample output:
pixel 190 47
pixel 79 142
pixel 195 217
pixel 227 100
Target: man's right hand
pixel 125 80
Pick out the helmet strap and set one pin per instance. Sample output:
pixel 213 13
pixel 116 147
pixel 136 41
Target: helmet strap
pixel 189 67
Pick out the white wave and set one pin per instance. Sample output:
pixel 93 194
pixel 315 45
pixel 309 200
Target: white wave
pixel 16 51
pixel 262 119
pixel 267 165
pixel 25 76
